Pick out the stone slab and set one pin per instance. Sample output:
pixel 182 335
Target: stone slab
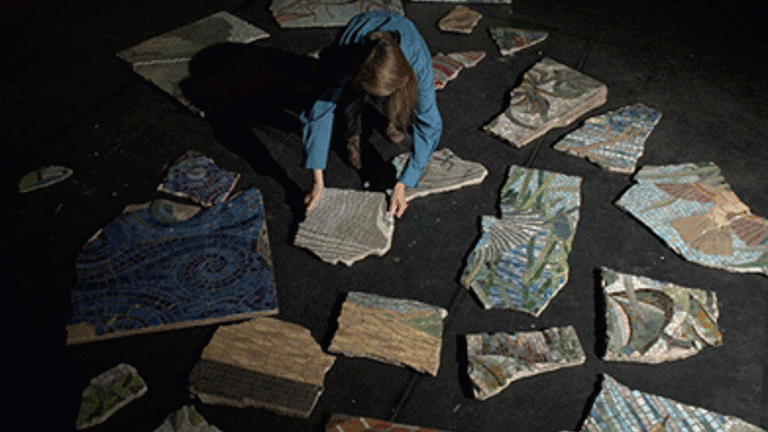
pixel 460 19
pixel 551 95
pixel 348 423
pixel 186 419
pixel 496 360
pixel 444 172
pixel 395 331
pixel 326 13
pixel 512 40
pixel 109 392
pixel 198 178
pixel 695 212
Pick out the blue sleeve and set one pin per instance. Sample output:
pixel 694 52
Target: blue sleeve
pixel 316 127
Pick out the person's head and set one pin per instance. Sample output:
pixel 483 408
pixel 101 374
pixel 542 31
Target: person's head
pixel 385 72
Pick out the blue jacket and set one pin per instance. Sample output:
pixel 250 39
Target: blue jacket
pixel 317 122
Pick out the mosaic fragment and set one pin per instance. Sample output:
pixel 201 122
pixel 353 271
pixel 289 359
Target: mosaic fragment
pixel 347 226
pixel 265 363
pixel 327 13
pixel 348 423
pixel 468 1
pixel 44 177
pixel 186 419
pixel 164 60
pixel 395 331
pixel 649 321
pixel 521 259
pixel 495 360
pixel 619 408
pixel 460 19
pixel 551 95
pixel 468 58
pixel 614 140
pixel 144 272
pixel 695 212
pixel 198 178
pixel 512 40
pixel 444 172
pixel 447 67
pixel 109 392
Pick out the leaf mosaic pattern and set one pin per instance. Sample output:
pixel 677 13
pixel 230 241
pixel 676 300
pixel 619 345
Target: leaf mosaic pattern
pixel 495 360
pixel 618 408
pixel 649 321
pixel 327 13
pixel 695 212
pixel 521 260
pixel 551 95
pixel 615 140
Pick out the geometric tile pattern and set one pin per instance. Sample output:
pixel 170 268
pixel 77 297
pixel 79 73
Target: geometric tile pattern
pixel 109 392
pixel 197 177
pixel 495 360
pixel 348 423
pixel 619 408
pixel 186 419
pixel 521 260
pixel 649 321
pixel 327 13
pixel 164 60
pixel 460 19
pixel 512 40
pixel 695 212
pixel 444 172
pixel 264 363
pixel 145 272
pixel 395 331
pixel 614 140
pixel 551 95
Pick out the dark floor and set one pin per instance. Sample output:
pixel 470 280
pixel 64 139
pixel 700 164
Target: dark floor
pixel 67 100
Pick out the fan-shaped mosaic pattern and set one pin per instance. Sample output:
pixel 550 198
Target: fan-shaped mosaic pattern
pixel 695 212
pixel 551 95
pixel 186 419
pixel 347 226
pixel 198 178
pixel 164 60
pixel 394 331
pixel 460 19
pixel 141 274
pixel 619 408
pixel 109 392
pixel 444 172
pixel 521 260
pixel 327 13
pixel 495 360
pixel 649 321
pixel 512 40
pixel 348 423
pixel 615 140
pixel 265 363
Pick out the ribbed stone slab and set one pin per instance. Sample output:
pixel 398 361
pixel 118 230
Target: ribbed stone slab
pixel 444 172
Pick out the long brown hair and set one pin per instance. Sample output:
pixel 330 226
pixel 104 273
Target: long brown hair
pixel 384 71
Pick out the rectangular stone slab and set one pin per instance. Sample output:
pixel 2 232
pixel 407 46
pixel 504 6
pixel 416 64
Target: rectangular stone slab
pixel 164 60
pixel 266 363
pixel 348 423
pixel 495 360
pixel 521 259
pixel 695 212
pixel 460 19
pixel 395 331
pixel 551 95
pixel 326 13
pixel 444 172
pixel 619 408
pixel 614 140
pixel 158 268
pixel 650 321
pixel 347 226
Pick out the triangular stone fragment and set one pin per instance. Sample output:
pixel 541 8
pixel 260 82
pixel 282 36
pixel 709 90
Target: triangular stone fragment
pixel 444 172
pixel 495 360
pixel 109 392
pixel 186 419
pixel 460 19
pixel 551 95
pixel 512 40
pixel 347 226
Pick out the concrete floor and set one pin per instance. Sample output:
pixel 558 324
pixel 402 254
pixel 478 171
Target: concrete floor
pixel 67 100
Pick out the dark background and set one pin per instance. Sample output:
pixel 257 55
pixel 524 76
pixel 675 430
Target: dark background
pixel 67 100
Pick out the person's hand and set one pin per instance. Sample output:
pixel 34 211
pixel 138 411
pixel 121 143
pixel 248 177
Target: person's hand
pixel 317 189
pixel 397 203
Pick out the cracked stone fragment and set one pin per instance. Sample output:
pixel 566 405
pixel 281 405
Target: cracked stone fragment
pixel 614 140
pixel 348 423
pixel 649 321
pixel 551 95
pixel 468 58
pixel 44 177
pixel 695 212
pixel 460 19
pixel 521 259
pixel 186 419
pixel 109 392
pixel 444 172
pixel 347 226
pixel 495 360
pixel 265 363
pixel 326 13
pixel 395 331
pixel 512 40
pixel 447 67
pixel 198 178
pixel 619 408
pixel 164 60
